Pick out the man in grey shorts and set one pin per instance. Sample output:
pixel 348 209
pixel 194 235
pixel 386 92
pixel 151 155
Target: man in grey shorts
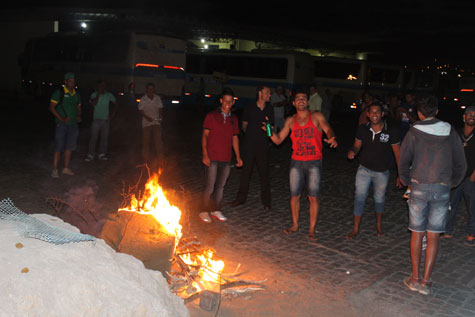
pixel 305 129
pixel 431 161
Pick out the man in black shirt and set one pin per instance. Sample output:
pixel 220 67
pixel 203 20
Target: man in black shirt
pixel 256 147
pixel 377 144
pixel 467 187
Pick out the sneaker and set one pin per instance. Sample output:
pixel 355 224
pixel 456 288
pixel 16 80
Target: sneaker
pixel 425 288
pixel 55 173
pixel 89 158
pixel 470 240
pixel 67 171
pixel 204 216
pixel 102 157
pixel 218 215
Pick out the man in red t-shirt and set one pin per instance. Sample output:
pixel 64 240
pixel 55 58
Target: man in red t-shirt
pixel 306 163
pixel 220 137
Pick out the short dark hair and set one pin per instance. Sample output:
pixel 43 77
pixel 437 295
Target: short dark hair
pixel 427 105
pixel 227 92
pixel 150 84
pixel 301 90
pixel 260 88
pixel 377 104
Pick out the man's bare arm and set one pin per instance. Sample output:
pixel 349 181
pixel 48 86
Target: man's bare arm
pixel 325 126
pixel 280 137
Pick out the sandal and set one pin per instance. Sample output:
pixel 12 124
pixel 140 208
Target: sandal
pixel 352 235
pixel 312 237
pixel 289 231
pixel 425 287
pixel 412 284
pixel 379 233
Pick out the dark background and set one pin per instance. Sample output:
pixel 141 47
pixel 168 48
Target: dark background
pixel 398 32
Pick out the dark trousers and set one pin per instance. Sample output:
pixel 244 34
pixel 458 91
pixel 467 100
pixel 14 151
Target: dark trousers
pixel 260 158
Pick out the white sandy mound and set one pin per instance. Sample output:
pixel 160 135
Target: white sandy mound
pixel 77 279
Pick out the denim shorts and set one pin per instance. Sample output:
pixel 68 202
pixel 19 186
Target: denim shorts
pixel 305 172
pixel 66 137
pixel 428 207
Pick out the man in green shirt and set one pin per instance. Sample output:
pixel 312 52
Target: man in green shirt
pixel 100 100
pixel 65 105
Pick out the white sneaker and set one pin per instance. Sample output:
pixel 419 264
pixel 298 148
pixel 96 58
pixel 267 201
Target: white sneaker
pixel 55 173
pixel 102 157
pixel 67 171
pixel 218 215
pixel 89 158
pixel 204 216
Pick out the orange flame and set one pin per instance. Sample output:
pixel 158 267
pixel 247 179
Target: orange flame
pixel 155 203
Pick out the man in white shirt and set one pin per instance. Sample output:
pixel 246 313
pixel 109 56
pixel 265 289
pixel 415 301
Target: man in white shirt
pixel 315 101
pixel 151 108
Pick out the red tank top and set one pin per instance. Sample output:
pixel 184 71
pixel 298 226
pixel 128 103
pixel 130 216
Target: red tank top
pixel 306 141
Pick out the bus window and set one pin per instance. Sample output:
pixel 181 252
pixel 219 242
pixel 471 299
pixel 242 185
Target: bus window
pixel 383 75
pixel 337 70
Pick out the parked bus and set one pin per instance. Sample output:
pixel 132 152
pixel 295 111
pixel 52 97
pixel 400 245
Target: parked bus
pixel 207 72
pixel 127 61
pixel 347 79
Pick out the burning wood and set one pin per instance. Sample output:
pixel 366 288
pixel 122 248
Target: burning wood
pixel 195 272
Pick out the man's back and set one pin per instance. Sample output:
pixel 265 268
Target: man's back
pixel 432 153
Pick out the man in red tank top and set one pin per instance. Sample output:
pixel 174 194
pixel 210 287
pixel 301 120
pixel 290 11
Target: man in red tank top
pixel 305 129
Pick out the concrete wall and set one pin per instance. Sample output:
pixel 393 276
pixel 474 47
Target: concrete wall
pixel 14 36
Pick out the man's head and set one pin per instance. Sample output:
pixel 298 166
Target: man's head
pixel 300 99
pixel 409 97
pixel 313 89
pixel 368 98
pixel 375 113
pixel 70 81
pixel 394 101
pixel 263 93
pixel 227 100
pixel 101 86
pixel 150 90
pixel 427 106
pixel 469 116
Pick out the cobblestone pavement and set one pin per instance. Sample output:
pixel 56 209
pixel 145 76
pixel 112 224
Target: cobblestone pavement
pixel 340 277
pixel 365 272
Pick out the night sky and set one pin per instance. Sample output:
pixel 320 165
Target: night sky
pixel 402 31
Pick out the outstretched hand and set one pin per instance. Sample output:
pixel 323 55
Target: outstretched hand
pixel 332 142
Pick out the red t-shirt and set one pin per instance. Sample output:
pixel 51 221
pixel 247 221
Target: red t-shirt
pixel 220 138
pixel 306 141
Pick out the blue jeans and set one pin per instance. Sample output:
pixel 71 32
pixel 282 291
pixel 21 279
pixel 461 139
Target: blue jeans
pixel 216 174
pixel 428 207
pixel 305 173
pixel 467 191
pixel 66 137
pixel 364 178
pixel 99 128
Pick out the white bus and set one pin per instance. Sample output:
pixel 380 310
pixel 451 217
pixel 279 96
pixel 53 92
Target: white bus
pixel 127 61
pixel 207 72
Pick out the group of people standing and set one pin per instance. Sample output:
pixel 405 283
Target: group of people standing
pixel 66 107
pixel 433 159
